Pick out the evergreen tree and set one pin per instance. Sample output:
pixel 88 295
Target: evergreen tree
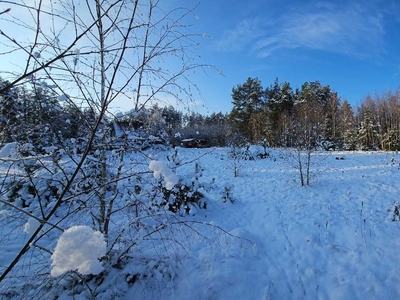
pixel 316 93
pixel 332 139
pixel 367 134
pixel 280 100
pixel 388 116
pixel 248 100
pixel 194 120
pixel 10 111
pixel 218 119
pixel 347 126
pixel 172 119
pixel 43 118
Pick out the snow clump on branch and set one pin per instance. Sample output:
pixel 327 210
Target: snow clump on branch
pixel 161 169
pixel 31 226
pixel 78 248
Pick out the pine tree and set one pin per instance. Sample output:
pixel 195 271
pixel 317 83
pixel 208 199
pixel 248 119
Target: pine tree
pixel 347 127
pixel 10 112
pixel 367 134
pixel 280 101
pixel 331 139
pixel 248 100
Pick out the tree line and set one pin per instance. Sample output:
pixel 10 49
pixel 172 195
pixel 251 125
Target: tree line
pixel 311 116
pixel 314 116
pixel 32 114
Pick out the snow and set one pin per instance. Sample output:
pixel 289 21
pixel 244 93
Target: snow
pixel 31 226
pixel 63 97
pixel 79 248
pixel 119 115
pixel 161 169
pixel 329 240
pixel 334 239
pixel 4 214
pixel 8 150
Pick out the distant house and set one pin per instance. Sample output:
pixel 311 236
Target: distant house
pixel 194 143
pixel 120 128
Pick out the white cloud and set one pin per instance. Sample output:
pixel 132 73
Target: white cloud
pixel 352 29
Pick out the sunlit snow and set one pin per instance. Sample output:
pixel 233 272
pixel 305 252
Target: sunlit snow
pixel 334 239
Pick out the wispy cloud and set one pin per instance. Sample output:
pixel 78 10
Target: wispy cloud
pixel 352 29
pixel 347 31
pixel 237 39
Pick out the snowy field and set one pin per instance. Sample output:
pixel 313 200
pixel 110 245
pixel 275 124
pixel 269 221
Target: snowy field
pixel 334 239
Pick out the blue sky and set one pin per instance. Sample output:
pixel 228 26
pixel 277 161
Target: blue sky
pixel 353 46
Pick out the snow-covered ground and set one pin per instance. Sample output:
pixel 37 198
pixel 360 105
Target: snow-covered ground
pixel 334 239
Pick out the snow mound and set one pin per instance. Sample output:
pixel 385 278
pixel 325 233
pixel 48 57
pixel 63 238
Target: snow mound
pixel 78 248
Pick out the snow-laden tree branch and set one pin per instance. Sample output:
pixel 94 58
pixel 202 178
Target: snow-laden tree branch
pixel 80 59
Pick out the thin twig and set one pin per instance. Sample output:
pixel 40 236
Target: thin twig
pixel 42 221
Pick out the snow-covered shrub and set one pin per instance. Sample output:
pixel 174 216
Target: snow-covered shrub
pixel 227 193
pixel 301 160
pixel 265 145
pixel 38 183
pixel 173 158
pixel 247 153
pixel 178 194
pixel 394 162
pixel 237 144
pixel 182 198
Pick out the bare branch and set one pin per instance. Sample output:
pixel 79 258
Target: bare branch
pixel 41 221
